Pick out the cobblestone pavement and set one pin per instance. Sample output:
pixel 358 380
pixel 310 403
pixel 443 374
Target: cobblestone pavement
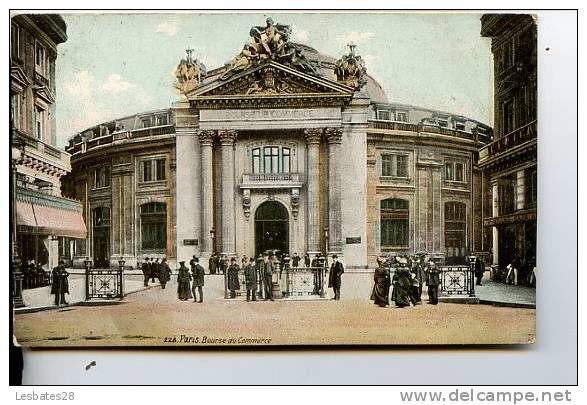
pixel 155 317
pixel 503 293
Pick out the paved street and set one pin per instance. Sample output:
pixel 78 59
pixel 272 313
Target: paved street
pixel 153 316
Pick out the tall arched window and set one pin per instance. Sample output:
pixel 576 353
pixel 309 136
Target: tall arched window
pixel 455 226
pixel 154 226
pixel 395 223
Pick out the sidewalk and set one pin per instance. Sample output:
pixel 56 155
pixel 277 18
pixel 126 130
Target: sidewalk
pixel 501 294
pixel 41 299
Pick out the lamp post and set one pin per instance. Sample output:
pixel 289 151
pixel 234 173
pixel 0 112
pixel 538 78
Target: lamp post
pixel 87 265
pixel 17 152
pixel 121 262
pixel 472 260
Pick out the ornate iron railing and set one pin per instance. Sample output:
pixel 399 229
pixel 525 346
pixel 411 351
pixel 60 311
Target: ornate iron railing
pixel 104 284
pixel 304 282
pixel 457 280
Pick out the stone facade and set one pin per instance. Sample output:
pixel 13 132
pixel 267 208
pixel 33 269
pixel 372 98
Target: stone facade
pixel 276 157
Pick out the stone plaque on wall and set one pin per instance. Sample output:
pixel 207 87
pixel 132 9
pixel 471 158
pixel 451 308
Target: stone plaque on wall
pixel 353 240
pixel 190 242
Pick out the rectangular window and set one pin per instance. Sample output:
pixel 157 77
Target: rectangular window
pixel 454 171
pixel 285 160
pixel 383 115
pixel 402 166
pixel 531 186
pixel 153 169
pixel 39 123
pixel 15 109
pixel 161 120
pixel 394 223
pixel 506 192
pixel 443 122
pixel 271 159
pixel 256 159
pixel 102 177
pixel 40 59
pixel 160 169
pixel 147 174
pixel 15 41
pixel 386 165
pixel 401 116
pixel 394 165
pixel 460 126
pixel 508 116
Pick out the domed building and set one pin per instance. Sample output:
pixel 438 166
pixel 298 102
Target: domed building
pixel 286 149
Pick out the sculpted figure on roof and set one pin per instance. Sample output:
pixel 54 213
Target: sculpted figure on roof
pixel 269 42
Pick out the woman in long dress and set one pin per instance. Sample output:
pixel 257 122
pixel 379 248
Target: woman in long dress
pixel 183 283
pixel 402 281
pixel 380 294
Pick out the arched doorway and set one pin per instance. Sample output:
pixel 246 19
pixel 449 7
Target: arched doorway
pixel 271 228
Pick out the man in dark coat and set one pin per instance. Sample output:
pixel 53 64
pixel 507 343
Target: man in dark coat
pixel 418 271
pixel 380 294
pixel 146 267
pixel 479 270
pixel 433 281
pixel 335 276
pixel 401 284
pixel 232 274
pixel 198 274
pixel 267 270
pixel 223 263
pixel 251 279
pixel 307 260
pixel 60 285
pixel 183 282
pixel 295 260
pixel 154 269
pixel 212 264
pixel 164 273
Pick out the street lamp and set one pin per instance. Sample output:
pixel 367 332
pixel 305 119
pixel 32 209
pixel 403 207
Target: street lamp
pixel 17 153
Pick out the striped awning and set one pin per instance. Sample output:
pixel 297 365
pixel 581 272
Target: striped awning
pixel 45 216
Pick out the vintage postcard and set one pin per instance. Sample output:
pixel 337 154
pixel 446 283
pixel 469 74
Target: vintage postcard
pixel 202 179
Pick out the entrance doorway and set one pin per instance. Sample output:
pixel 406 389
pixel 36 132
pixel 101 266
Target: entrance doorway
pixel 101 237
pixel 271 228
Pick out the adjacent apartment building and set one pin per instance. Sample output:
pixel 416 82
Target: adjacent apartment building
pixel 47 224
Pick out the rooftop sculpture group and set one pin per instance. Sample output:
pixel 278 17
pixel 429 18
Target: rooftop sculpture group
pixel 269 43
pixel 189 73
pixel 350 69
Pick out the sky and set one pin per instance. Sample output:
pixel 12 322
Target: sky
pixel 113 65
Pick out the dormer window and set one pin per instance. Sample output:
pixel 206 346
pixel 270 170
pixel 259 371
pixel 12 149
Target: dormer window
pixel 384 115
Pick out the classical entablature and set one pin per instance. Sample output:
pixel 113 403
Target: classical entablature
pixel 270 85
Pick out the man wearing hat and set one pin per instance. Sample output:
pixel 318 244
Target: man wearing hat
pixel 334 278
pixel 232 274
pixel 60 285
pixel 198 274
pixel 433 281
pixel 251 279
pixel 146 267
pixel 164 273
pixel 154 269
pixel 267 270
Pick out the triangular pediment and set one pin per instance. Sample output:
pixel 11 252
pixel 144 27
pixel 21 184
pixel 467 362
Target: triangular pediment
pixel 18 76
pixel 270 81
pixel 44 93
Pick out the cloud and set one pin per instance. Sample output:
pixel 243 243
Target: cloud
pixel 167 28
pixel 354 37
pixel 299 35
pixel 116 84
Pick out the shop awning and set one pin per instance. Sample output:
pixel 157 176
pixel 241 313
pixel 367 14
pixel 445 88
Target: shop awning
pixel 41 214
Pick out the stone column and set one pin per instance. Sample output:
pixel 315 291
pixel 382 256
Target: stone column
pixel 334 138
pixel 494 214
pixel 313 137
pixel 228 234
pixel 207 194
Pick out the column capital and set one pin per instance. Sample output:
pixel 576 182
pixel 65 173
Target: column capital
pixel 227 136
pixel 333 135
pixel 313 135
pixel 206 136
